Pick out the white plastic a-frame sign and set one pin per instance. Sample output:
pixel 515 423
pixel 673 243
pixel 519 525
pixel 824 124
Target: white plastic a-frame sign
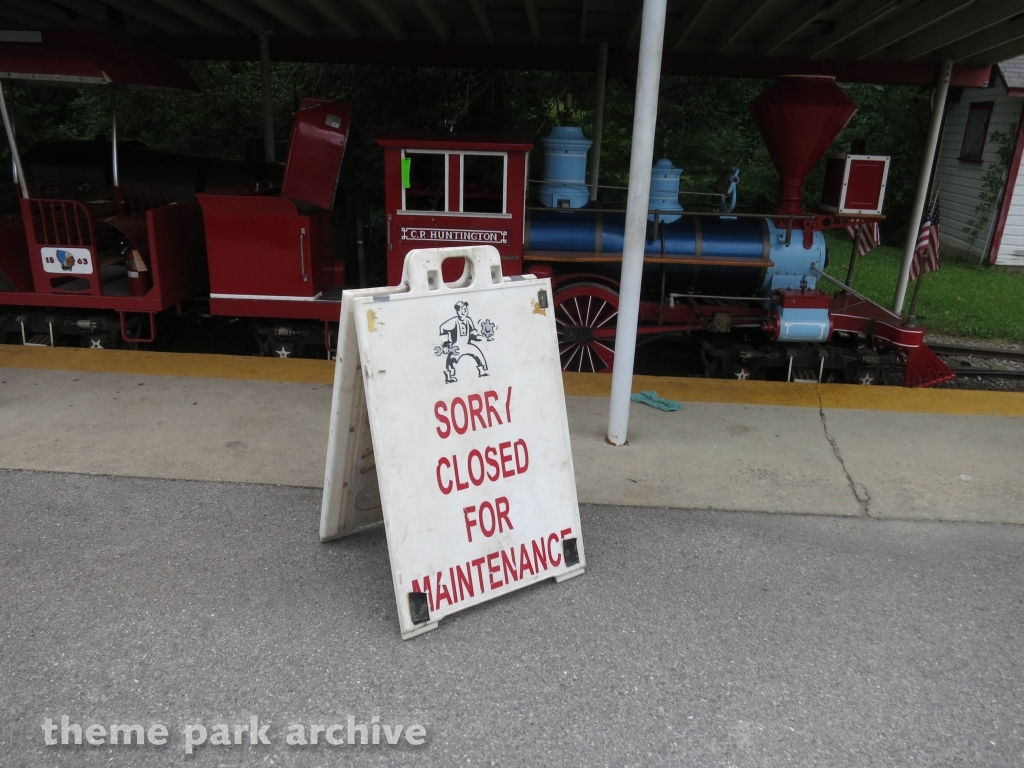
pixel 460 441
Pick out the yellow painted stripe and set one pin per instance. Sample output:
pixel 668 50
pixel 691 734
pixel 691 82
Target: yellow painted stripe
pixel 696 390
pixel 168 364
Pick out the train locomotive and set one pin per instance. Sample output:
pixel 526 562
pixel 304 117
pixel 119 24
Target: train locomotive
pixel 743 289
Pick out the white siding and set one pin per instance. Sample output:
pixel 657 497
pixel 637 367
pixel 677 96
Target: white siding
pixel 1011 247
pixel 962 181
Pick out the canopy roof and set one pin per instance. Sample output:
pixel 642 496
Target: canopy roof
pixel 90 58
pixel 857 40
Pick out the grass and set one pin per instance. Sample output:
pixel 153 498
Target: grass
pixel 960 299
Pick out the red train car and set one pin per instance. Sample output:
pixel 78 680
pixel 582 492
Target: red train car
pixel 97 262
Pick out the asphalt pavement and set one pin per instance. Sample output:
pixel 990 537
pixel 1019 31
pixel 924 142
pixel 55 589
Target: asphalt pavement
pixel 697 638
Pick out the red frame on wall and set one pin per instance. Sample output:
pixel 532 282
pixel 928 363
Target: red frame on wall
pixel 411 229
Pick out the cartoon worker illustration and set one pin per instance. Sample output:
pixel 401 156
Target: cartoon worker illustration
pixel 461 336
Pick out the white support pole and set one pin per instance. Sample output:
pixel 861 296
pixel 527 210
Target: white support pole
pixel 927 161
pixel 15 155
pixel 113 137
pixel 652 39
pixel 595 151
pixel 268 99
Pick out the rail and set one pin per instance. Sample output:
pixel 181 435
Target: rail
pixel 955 350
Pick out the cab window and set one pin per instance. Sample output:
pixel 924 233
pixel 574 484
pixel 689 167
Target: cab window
pixel 483 183
pixel 428 188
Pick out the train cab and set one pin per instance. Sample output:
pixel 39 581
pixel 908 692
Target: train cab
pixel 450 189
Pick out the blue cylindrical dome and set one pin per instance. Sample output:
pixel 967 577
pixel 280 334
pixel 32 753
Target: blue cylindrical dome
pixel 665 191
pixel 565 168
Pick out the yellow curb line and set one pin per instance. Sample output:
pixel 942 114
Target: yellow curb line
pixel 846 396
pixel 168 364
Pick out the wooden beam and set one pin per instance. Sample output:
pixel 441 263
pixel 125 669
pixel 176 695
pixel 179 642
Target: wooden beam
pixel 245 13
pixel 584 7
pixel 154 15
pixel 740 22
pixel 633 27
pixel 533 20
pixel 995 36
pixel 796 21
pixel 92 10
pixel 1009 50
pixel 331 11
pixel 861 17
pixel 901 26
pixel 46 15
pixel 384 17
pixel 691 15
pixel 772 12
pixel 965 24
pixel 200 15
pixel 286 12
pixel 483 18
pixel 433 18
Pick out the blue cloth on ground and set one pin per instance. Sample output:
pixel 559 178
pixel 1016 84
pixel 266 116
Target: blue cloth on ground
pixel 650 397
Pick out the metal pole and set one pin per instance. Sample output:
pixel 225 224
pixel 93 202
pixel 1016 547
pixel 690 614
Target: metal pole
pixel 113 136
pixel 595 151
pixel 268 99
pixel 912 312
pixel 15 155
pixel 15 176
pixel 853 257
pixel 927 161
pixel 652 39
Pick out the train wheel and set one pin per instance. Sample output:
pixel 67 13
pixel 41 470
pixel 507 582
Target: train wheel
pixel 581 309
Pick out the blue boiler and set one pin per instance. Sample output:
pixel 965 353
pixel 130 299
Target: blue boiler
pixel 694 251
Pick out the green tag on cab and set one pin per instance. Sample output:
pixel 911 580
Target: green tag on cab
pixel 406 168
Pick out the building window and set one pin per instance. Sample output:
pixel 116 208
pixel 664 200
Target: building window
pixel 428 182
pixel 976 133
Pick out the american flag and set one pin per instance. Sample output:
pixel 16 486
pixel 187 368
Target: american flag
pixel 866 237
pixel 926 254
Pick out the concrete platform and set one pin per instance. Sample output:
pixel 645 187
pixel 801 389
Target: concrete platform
pixel 140 590
pixel 741 446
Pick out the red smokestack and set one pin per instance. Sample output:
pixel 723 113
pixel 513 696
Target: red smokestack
pixel 799 117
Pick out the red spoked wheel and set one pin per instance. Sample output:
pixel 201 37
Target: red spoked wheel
pixel 585 316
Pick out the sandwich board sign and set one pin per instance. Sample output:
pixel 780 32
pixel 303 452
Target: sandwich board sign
pixel 448 422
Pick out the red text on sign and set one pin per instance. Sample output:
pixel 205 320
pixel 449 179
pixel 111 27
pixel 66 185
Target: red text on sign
pixel 506 459
pixel 489 518
pixel 476 411
pixel 492 571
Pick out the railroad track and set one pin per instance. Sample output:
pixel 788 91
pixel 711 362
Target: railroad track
pixel 963 371
pixel 955 354
pixel 953 350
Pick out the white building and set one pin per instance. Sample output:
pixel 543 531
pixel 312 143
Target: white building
pixel 982 196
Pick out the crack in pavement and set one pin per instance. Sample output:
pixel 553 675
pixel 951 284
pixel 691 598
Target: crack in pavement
pixel 865 500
